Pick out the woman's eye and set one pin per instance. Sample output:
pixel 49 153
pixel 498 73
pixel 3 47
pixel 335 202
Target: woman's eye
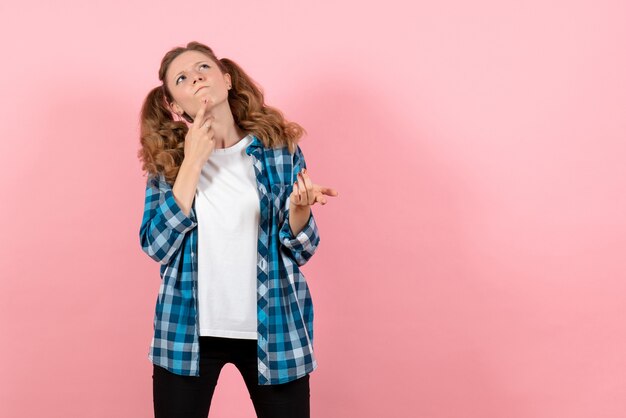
pixel 183 77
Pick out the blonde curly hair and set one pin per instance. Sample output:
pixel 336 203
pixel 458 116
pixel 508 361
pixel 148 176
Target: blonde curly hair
pixel 163 138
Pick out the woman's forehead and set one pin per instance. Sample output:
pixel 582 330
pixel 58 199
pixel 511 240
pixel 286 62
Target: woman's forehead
pixel 186 61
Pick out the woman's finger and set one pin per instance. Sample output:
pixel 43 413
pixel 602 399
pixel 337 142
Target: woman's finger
pixel 308 187
pixel 329 192
pixel 302 191
pixel 297 193
pixel 199 117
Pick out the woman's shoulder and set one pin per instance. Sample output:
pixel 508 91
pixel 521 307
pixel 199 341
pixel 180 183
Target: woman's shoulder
pixel 279 148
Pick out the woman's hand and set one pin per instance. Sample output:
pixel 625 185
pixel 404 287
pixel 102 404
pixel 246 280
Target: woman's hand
pixel 306 193
pixel 199 142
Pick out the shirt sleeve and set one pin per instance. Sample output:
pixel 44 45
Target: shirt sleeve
pixel 301 246
pixel 164 224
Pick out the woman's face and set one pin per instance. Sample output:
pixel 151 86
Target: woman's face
pixel 191 77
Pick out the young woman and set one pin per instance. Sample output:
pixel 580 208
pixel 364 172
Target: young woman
pixel 228 217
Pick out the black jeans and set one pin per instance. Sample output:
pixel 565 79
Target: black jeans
pixel 177 396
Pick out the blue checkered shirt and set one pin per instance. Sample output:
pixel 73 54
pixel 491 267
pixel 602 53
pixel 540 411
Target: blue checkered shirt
pixel 284 305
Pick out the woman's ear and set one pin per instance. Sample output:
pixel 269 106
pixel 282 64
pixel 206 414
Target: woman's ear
pixel 176 109
pixel 180 112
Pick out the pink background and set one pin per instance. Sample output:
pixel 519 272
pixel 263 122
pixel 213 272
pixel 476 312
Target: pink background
pixel 473 265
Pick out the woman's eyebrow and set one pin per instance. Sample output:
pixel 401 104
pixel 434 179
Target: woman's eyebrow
pixel 176 76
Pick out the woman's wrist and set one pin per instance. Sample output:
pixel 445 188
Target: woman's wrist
pixel 298 217
pixel 191 165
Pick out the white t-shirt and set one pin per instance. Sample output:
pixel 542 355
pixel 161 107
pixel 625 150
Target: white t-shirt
pixel 227 210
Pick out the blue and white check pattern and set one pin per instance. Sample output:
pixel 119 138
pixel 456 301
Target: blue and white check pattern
pixel 284 305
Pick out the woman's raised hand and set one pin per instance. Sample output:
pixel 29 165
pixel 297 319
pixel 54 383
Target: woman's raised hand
pixel 199 142
pixel 306 193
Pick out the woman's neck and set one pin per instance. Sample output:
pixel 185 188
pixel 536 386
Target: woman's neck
pixel 225 132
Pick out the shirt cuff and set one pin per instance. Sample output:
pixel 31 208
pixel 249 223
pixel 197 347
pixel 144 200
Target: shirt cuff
pixel 303 244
